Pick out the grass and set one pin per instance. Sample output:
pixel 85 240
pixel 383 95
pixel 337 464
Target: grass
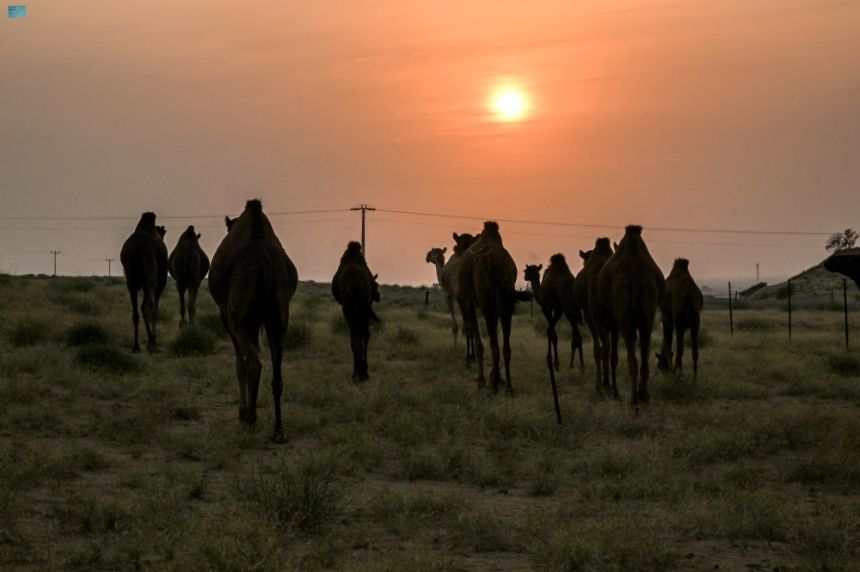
pixel 28 332
pixel 86 333
pixel 193 341
pixel 121 461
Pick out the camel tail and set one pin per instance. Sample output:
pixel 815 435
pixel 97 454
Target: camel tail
pixel 506 288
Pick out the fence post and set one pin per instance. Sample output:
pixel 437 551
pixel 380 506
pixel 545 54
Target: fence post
pixel 426 298
pixel 789 308
pixel 531 307
pixel 731 316
pixel 845 308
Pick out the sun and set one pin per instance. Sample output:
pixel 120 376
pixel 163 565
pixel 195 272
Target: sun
pixel 509 105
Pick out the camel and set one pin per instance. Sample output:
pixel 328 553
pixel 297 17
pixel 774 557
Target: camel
pixel 356 289
pixel 680 309
pixel 846 262
pixel 631 286
pixel 252 280
pixel 144 261
pixel 446 275
pixel 556 298
pixel 585 290
pixel 486 283
pixel 188 265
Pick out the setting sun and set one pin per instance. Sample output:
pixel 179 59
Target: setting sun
pixel 509 105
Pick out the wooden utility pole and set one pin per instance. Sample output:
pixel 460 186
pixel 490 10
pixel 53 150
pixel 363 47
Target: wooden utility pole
pixel 731 317
pixel 363 208
pixel 109 260
pixel 55 253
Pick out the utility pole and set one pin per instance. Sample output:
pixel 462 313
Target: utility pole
pixel 109 260
pixel 363 208
pixel 55 253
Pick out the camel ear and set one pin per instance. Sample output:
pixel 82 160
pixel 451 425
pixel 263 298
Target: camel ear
pixel 444 249
pixel 540 267
pixel 582 255
pixel 228 222
pixel 198 235
pixel 456 237
pixel 614 246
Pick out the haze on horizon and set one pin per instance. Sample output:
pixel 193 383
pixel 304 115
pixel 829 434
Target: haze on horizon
pixel 743 114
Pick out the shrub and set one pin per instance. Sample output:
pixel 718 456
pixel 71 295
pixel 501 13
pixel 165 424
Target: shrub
pixel 28 333
pixel 306 496
pixel 106 358
pixel 299 335
pixel 212 323
pixel 338 324
pixel 845 364
pixel 193 340
pixel 752 324
pixel 85 333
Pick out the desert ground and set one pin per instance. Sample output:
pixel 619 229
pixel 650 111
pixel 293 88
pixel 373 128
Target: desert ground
pixel 112 460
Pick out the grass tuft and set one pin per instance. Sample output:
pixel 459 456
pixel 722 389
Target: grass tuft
pixel 193 341
pixel 27 332
pixel 407 336
pixel 107 359
pixel 844 364
pixel 299 335
pixel 86 333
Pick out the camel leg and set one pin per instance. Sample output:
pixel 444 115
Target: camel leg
pixel 632 366
pixel 575 343
pixel 149 310
pixel 181 290
pixel 240 370
pixel 679 347
pixel 665 359
pixel 613 350
pixel 192 303
pixel 597 350
pixel 249 345
pixel 365 342
pixel 135 319
pixel 507 315
pixel 492 320
pixel 275 333
pixel 694 343
pixel 644 369
pixel 454 328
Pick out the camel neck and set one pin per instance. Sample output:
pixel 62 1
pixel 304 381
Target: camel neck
pixel 439 267
pixel 535 288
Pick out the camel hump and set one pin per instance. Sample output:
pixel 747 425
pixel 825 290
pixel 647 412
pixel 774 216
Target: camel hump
pixel 147 220
pixel 258 228
pixel 491 226
pixel 558 259
pixel 353 247
pixel 633 230
pixel 601 244
pixel 681 264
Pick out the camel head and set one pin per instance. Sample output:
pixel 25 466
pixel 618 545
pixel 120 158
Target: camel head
pixel 161 231
pixel 531 273
pixel 462 242
pixel 437 256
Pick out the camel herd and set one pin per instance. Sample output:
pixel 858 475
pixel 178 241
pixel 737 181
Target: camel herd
pixel 252 280
pixel 617 294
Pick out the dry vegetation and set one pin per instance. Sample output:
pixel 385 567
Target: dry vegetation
pixel 110 460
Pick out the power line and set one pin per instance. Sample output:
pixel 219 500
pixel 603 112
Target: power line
pixel 589 225
pixel 166 217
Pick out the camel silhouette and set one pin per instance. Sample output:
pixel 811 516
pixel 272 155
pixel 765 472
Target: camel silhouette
pixel 188 265
pixel 446 276
pixel 356 289
pixel 845 262
pixel 586 291
pixel 631 286
pixel 555 294
pixel 487 278
pixel 144 261
pixel 252 281
pixel 680 309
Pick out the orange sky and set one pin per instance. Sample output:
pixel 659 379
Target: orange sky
pixel 737 114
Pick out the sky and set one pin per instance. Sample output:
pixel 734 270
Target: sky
pixel 731 115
